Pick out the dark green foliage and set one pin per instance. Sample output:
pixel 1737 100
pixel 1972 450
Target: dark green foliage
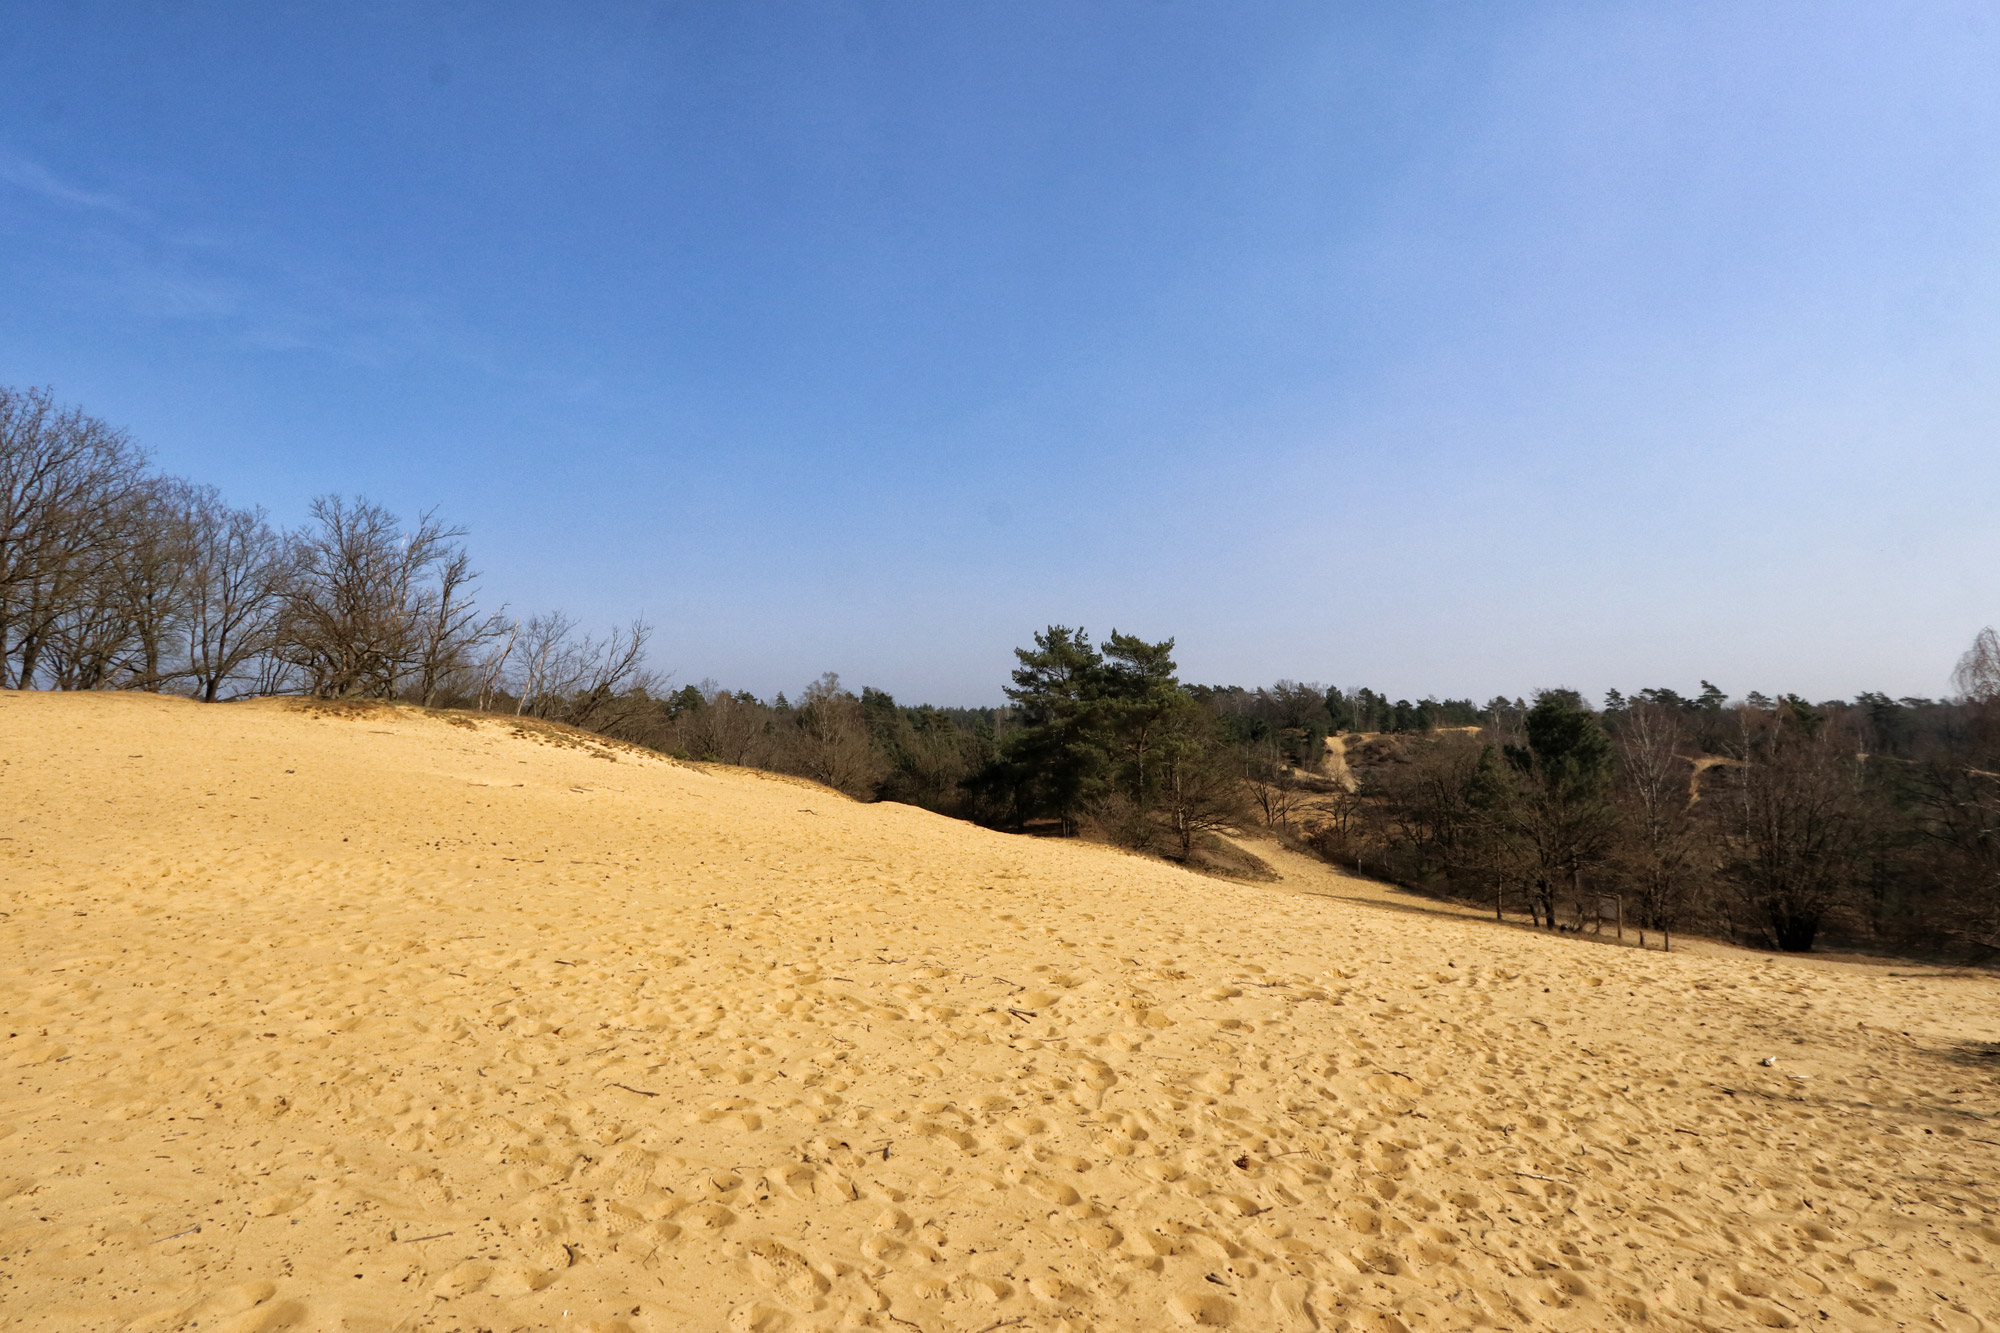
pixel 1057 760
pixel 1289 721
pixel 1138 700
pixel 1560 811
pixel 1367 711
pixel 926 753
pixel 1567 753
pixel 1112 736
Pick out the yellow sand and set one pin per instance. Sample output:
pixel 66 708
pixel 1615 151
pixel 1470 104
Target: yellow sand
pixel 394 1022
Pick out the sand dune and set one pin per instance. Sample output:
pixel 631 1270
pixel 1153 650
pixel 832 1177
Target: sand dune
pixel 393 1021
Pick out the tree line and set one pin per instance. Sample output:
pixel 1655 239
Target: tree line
pixel 1773 821
pixel 116 576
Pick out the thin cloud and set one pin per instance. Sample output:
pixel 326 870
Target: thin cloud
pixel 260 290
pixel 26 174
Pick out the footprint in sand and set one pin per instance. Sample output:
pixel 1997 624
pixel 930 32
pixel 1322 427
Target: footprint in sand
pixel 960 1112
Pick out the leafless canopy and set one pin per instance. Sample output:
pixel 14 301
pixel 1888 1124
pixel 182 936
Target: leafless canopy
pixel 568 676
pixel 1978 673
pixel 368 607
pixel 234 568
pixel 70 491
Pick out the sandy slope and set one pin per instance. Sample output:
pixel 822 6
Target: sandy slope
pixel 384 1022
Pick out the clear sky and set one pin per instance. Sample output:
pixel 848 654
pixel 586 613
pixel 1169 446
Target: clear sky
pixel 1454 349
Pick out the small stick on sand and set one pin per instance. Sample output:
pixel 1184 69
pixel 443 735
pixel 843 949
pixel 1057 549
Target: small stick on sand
pixel 629 1088
pixel 418 1240
pixel 177 1235
pixel 1554 1180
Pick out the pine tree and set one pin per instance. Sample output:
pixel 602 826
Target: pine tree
pixel 1056 763
pixel 1138 696
pixel 1563 812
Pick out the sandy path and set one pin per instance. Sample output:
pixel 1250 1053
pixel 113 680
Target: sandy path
pixel 388 1023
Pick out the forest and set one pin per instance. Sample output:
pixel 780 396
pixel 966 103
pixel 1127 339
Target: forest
pixel 1772 821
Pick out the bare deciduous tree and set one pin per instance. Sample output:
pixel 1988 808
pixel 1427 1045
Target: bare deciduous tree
pixel 1978 673
pixel 1199 790
pixel 578 679
pixel 126 631
pixel 834 743
pixel 1274 788
pixel 1658 850
pixel 546 663
pixel 1793 823
pixel 66 485
pixel 614 667
pixel 233 577
pixel 724 728
pixel 450 627
pixel 493 662
pixel 354 594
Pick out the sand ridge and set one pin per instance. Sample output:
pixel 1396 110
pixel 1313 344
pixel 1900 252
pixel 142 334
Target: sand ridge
pixel 396 1021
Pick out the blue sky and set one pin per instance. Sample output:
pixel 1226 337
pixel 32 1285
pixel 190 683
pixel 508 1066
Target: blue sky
pixel 1447 349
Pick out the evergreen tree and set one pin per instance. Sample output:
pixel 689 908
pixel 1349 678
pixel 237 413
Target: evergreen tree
pixel 1137 696
pixel 1563 812
pixel 1340 713
pixel 1056 762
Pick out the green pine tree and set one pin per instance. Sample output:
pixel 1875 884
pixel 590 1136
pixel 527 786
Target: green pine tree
pixel 1562 811
pixel 1056 762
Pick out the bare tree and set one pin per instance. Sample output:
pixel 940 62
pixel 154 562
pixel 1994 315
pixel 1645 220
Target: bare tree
pixel 546 663
pixel 1200 791
pixel 233 575
pixel 1658 851
pixel 118 610
pixel 1274 788
pixel 354 596
pixel 145 584
pixel 578 679
pixel 835 746
pixel 724 728
pixel 1958 809
pixel 66 486
pixel 1793 824
pixel 1333 827
pixel 1978 673
pixel 494 662
pixel 450 628
pixel 614 668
